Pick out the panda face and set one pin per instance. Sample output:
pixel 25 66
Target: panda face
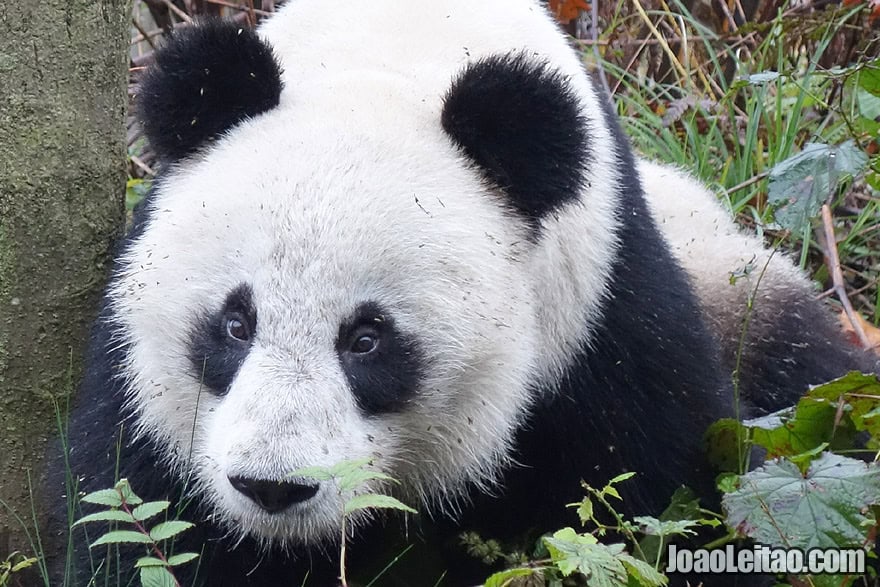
pixel 338 297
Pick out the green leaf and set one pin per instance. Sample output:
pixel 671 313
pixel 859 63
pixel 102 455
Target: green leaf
pixel 182 558
pixel 869 79
pixel 166 530
pixel 572 552
pixel 826 508
pixel 622 477
pixel 106 516
pixel 109 497
pixel 121 536
pixel 506 577
pixel 374 501
pixel 585 510
pixel 149 509
pixel 655 527
pixel 344 468
pixel 317 473
pixel 129 496
pixel 149 561
pixel 800 184
pixel 645 574
pixel 722 439
pixel 157 577
pixel 860 392
pixel 357 477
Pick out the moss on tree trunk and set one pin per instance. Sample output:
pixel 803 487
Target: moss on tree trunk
pixel 63 72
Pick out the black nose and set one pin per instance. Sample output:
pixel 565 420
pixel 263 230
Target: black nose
pixel 273 496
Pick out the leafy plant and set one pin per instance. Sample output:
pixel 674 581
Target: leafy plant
pixel 127 508
pixel 349 476
pixel 570 552
pixel 14 563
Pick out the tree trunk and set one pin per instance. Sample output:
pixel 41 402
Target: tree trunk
pixel 63 71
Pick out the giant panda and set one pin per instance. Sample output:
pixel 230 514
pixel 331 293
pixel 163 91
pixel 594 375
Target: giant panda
pixel 412 233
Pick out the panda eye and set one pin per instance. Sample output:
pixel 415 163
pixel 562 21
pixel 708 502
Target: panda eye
pixel 237 328
pixel 364 341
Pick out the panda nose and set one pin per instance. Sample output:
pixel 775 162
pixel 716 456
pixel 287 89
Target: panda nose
pixel 273 496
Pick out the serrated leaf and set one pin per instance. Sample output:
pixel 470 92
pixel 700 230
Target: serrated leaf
pixel 506 577
pixel 344 468
pixel 109 497
pixel 149 509
pixel 149 561
pixel 375 501
pixel 355 478
pixel 645 574
pixel 166 530
pixel 182 558
pixel 157 577
pixel 105 516
pixel 822 509
pixel 572 552
pixel 317 473
pixel 121 536
pixel 128 495
pixel 654 527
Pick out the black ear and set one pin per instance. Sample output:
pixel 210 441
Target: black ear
pixel 208 78
pixel 518 119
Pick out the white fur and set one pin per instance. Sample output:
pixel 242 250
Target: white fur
pixel 347 192
pixel 712 248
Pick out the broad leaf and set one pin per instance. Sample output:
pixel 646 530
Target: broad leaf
pixel 109 497
pixel 505 578
pixel 149 509
pixel 828 507
pixel 166 530
pixel 798 185
pixel 374 501
pixel 182 558
pixel 106 516
pixel 157 577
pixel 120 536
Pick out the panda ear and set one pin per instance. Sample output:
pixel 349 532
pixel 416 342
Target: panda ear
pixel 206 79
pixel 520 122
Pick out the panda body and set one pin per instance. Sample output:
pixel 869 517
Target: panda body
pixel 427 246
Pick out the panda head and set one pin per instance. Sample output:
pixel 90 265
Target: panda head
pixel 328 275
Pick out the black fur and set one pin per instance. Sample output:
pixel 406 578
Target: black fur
pixel 207 79
pixel 383 380
pixel 215 356
pixel 519 121
pixel 792 343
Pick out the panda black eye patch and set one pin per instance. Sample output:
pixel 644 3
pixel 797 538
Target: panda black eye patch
pixel 222 339
pixel 383 365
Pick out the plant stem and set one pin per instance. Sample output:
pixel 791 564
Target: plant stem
pixel 342 555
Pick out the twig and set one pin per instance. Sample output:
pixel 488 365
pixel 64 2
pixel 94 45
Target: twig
pixel 142 165
pixel 747 183
pixel 180 13
pixel 248 8
pixel 144 35
pixel 833 260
